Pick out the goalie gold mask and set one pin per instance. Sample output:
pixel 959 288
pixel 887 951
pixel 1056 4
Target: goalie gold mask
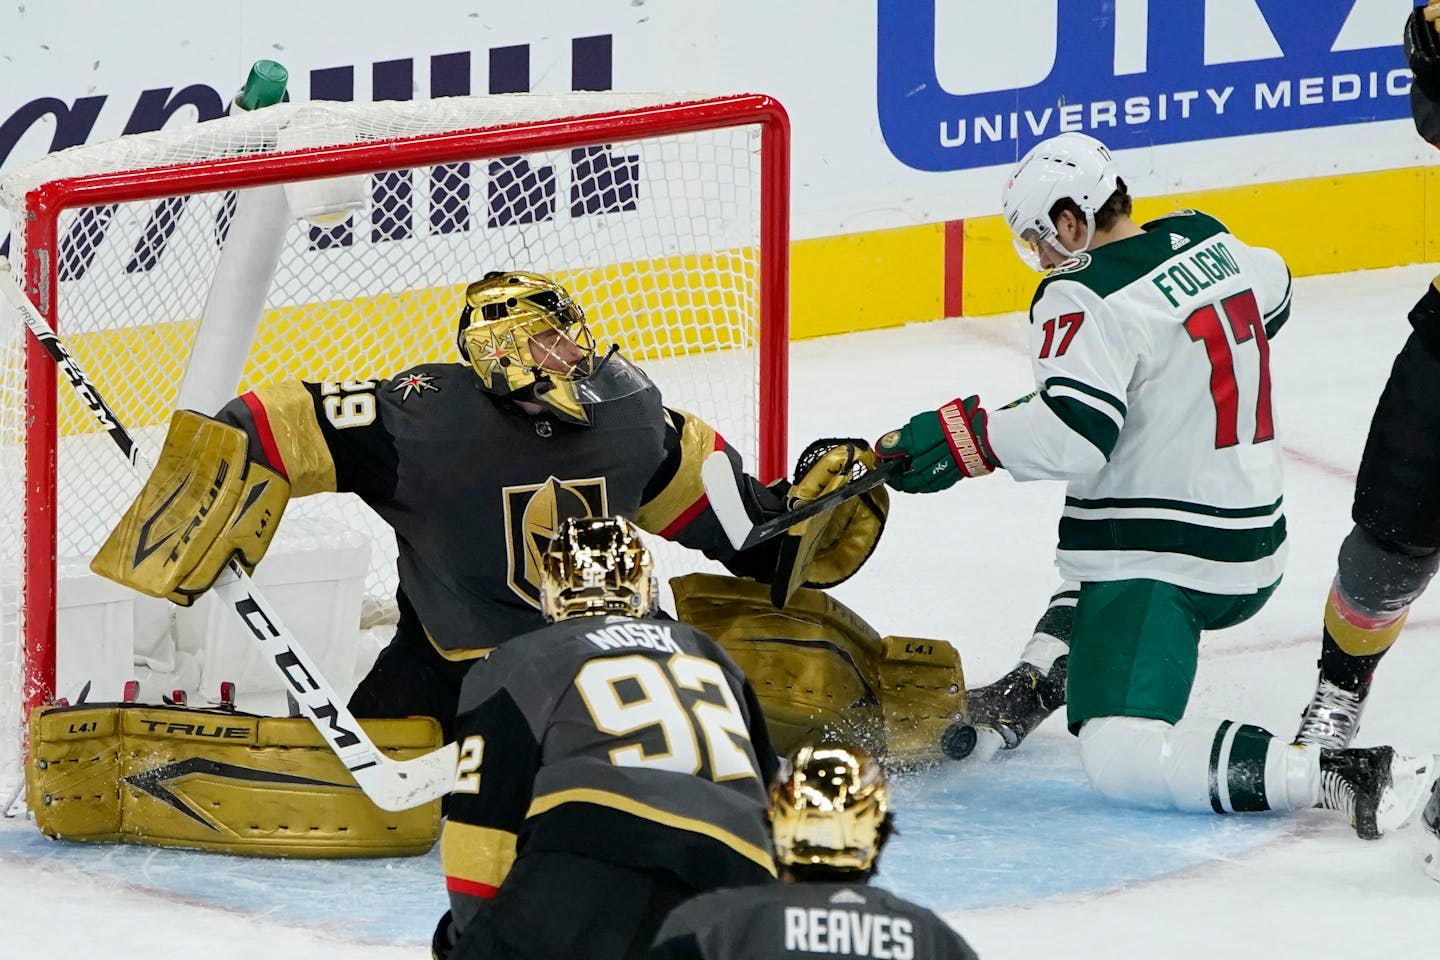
pixel 526 337
pixel 829 808
pixel 596 565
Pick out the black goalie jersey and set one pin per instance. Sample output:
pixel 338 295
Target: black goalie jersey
pixel 635 742
pixel 474 487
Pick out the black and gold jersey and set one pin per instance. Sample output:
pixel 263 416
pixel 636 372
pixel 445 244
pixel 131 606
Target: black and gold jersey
pixel 636 742
pixel 817 920
pixel 474 487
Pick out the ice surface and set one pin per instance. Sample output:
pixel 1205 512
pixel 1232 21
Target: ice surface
pixel 1019 854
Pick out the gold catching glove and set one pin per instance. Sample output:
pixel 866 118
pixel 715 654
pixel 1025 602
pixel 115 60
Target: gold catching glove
pixel 204 503
pixel 829 548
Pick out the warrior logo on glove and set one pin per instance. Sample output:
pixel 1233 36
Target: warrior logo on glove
pixel 935 441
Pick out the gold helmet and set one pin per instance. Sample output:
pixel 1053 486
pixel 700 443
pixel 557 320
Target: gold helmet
pixel 829 809
pixel 524 335
pixel 596 565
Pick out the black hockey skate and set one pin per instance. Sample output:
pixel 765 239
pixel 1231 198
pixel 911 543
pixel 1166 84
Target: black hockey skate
pixel 1378 789
pixel 1015 704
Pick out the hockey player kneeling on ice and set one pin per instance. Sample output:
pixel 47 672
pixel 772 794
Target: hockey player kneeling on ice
pixel 473 464
pixel 830 818
pixel 613 764
pixel 818 669
pixel 216 780
pixel 1150 352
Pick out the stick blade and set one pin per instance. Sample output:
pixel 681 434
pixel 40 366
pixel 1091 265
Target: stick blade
pixel 396 785
pixel 719 479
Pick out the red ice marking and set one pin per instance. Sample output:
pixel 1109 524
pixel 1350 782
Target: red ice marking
pixel 1333 470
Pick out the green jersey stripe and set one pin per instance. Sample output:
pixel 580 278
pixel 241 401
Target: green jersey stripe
pixel 1157 503
pixel 1245 773
pixel 1276 318
pixel 1173 536
pixel 1089 391
pixel 1085 420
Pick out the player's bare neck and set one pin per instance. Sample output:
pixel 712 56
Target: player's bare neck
pixel 1122 229
pixel 530 407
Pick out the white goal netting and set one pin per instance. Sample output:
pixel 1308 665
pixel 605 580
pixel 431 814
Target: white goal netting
pixel 177 273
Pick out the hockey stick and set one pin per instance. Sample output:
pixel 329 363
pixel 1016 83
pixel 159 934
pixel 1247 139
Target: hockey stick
pixel 390 784
pixel 724 496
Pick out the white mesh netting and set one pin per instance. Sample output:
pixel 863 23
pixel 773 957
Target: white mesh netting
pixel 656 236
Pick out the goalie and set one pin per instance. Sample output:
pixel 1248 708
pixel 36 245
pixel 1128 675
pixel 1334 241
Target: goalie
pixel 474 465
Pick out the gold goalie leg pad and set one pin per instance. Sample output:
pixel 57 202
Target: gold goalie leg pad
pixel 812 664
pixel 216 780
pixel 820 671
pixel 922 690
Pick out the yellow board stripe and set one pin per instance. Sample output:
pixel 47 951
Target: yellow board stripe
pixel 634 807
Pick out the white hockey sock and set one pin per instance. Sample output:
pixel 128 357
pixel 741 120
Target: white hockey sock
pixel 1051 639
pixel 1197 765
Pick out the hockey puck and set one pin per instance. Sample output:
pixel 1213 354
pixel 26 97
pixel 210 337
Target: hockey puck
pixel 959 740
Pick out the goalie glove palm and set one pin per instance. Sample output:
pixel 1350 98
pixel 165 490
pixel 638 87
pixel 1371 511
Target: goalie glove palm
pixel 942 445
pixel 829 548
pixel 204 503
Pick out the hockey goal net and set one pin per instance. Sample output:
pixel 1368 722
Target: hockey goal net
pixel 184 266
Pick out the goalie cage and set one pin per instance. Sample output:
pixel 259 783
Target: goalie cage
pixel 162 259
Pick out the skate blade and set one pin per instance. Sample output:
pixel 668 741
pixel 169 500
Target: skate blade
pixel 1412 779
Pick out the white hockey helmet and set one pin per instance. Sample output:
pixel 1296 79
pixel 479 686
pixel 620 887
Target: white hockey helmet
pixel 1071 166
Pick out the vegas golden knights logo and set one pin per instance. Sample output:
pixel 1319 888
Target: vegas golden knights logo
pixel 533 512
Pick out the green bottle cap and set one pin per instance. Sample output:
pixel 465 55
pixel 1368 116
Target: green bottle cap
pixel 265 85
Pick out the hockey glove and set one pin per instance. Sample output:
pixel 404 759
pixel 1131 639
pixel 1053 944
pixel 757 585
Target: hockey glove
pixel 204 503
pixel 1422 49
pixel 943 446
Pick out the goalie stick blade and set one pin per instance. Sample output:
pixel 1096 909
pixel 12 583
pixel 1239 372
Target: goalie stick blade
pixel 401 784
pixel 724 497
pixel 725 501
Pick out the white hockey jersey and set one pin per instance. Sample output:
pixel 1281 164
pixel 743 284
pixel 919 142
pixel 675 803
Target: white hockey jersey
pixel 1152 360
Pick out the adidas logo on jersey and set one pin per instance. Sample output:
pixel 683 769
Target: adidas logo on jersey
pixel 1177 241
pixel 846 895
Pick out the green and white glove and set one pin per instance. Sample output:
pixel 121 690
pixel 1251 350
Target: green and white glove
pixel 943 446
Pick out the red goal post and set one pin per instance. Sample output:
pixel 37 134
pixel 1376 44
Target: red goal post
pixel 667 217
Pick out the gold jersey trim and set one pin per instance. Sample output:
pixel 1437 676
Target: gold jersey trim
pixel 697 441
pixel 303 451
pixel 476 854
pixel 634 807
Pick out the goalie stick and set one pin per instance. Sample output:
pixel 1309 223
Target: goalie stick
pixel 390 784
pixel 725 500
